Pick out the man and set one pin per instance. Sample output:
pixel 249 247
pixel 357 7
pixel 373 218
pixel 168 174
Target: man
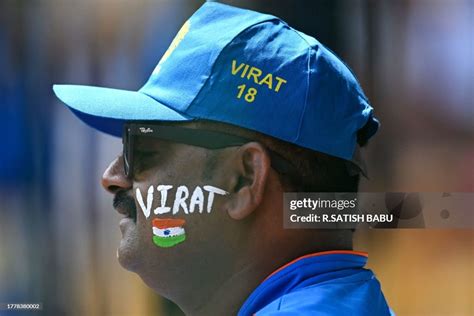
pixel 240 109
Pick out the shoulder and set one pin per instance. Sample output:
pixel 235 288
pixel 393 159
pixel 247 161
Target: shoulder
pixel 346 296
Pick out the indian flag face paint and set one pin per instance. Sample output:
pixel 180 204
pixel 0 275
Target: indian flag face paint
pixel 168 232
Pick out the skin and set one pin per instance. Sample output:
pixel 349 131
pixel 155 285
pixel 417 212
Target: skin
pixel 228 252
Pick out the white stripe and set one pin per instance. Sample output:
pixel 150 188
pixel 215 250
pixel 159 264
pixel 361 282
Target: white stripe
pixel 173 231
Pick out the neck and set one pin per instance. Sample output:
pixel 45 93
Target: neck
pixel 229 297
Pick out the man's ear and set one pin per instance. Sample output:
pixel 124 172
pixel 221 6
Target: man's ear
pixel 250 170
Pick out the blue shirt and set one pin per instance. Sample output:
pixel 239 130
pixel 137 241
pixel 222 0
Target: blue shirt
pixel 323 283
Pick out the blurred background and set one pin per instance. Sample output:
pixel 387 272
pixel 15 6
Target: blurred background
pixel 58 231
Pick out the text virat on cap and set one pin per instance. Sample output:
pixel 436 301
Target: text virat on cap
pixel 249 71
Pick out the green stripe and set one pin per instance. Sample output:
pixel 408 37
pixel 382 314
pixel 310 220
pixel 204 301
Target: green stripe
pixel 166 242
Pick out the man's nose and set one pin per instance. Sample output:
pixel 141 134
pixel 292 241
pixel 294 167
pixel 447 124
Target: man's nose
pixel 114 178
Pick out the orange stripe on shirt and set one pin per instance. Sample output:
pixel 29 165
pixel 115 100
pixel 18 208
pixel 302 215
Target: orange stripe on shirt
pixel 350 252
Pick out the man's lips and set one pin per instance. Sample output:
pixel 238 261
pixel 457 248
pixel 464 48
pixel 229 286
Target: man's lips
pixel 125 205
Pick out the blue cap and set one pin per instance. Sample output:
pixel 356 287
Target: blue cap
pixel 247 69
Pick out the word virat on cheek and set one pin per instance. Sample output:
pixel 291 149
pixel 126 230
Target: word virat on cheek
pixel 183 200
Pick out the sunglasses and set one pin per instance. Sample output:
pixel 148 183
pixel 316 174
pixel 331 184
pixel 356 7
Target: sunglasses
pixel 195 137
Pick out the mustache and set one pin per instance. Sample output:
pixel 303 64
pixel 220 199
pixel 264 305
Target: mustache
pixel 124 201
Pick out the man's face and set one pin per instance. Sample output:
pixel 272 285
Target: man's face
pixel 164 163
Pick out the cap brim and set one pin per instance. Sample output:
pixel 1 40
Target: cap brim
pixel 107 109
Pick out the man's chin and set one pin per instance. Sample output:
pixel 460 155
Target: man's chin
pixel 127 256
pixel 127 252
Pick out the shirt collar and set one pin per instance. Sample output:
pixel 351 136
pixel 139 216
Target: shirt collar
pixel 303 271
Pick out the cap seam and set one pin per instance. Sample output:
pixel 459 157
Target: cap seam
pixel 299 34
pixel 306 95
pixel 270 18
pixel 310 47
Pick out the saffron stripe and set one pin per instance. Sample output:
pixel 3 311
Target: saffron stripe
pixel 168 222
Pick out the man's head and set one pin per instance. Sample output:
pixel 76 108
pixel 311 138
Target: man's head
pixel 203 209
pixel 241 227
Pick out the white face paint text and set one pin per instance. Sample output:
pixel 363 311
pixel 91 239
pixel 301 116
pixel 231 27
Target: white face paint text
pixel 196 202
